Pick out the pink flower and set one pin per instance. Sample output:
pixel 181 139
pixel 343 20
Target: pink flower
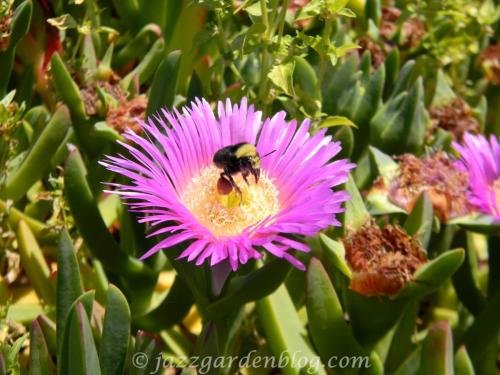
pixel 173 183
pixel 481 160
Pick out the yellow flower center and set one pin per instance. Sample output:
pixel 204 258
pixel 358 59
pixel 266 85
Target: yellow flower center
pixel 228 215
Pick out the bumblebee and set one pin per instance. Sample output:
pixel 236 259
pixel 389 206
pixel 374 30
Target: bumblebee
pixel 238 158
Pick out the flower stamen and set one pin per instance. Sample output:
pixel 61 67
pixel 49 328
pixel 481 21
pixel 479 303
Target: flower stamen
pixel 229 215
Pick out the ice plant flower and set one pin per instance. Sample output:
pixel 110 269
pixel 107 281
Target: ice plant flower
pixel 481 160
pixel 173 183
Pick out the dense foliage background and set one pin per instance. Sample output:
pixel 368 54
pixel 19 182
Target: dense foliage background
pixel 394 81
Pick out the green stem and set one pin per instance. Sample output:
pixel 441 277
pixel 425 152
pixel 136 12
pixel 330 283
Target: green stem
pixel 327 31
pixel 265 55
pixel 282 18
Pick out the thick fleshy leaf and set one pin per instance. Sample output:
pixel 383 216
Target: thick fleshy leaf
pixel 90 223
pixel 40 360
pixel 34 263
pixel 478 223
pixel 484 331
pixel 355 211
pixel 402 344
pixel 82 353
pixel 399 125
pixel 421 220
pixel 386 166
pixel 78 353
pixel 384 314
pixel 21 21
pixel 334 252
pixel 286 337
pixel 48 328
pixel 331 334
pixel 463 364
pixel 432 274
pixel 164 85
pixel 115 333
pixel 145 355
pixel 37 161
pixel 146 68
pixel 69 283
pixel 67 88
pixel 444 93
pixel 437 351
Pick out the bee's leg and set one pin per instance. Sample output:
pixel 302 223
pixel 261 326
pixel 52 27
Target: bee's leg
pixel 246 169
pixel 233 184
pixel 245 174
pixel 256 174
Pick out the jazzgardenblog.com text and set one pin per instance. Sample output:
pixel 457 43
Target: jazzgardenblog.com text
pixel 203 365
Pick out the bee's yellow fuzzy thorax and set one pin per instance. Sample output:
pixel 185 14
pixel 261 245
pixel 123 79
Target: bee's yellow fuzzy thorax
pixel 224 215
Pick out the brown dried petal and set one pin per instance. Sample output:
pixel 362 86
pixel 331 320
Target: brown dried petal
pixel 126 115
pixel 436 174
pixel 455 117
pixel 490 62
pixel 382 259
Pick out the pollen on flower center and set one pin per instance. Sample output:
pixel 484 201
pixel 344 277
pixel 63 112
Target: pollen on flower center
pixel 225 216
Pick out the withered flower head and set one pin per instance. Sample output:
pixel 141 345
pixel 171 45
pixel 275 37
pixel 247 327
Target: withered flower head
pixel 91 98
pixel 383 260
pixel 490 63
pixel 456 117
pixel 412 29
pixel 439 176
pixel 390 16
pixel 127 114
pixel 378 51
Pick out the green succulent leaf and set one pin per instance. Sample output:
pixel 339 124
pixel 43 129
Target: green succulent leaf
pixel 69 283
pixel 79 354
pixel 72 333
pixel 38 158
pixel 485 224
pixel 115 333
pixel 421 220
pixel 286 335
pixel 463 364
pixel 147 346
pixel 40 359
pixel 67 88
pixel 356 213
pixel 432 274
pixel 91 224
pixel 335 253
pixel 164 85
pixel 332 121
pixel 326 319
pixel 34 263
pixel 48 328
pixel 437 351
